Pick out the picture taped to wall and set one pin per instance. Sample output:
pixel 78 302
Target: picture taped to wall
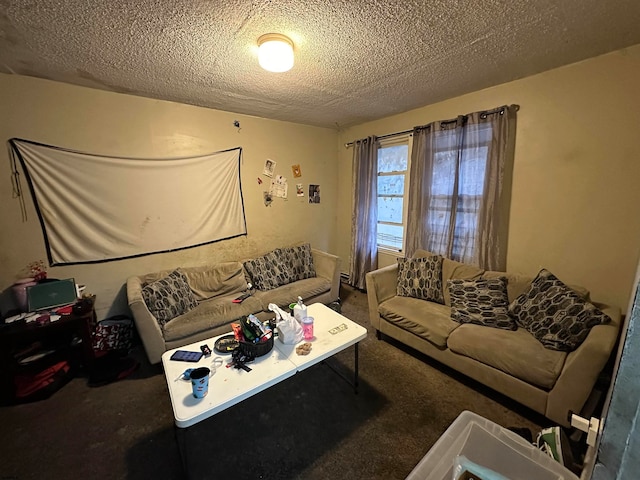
pixel 279 187
pixel 314 193
pixel 297 171
pixel 299 190
pixel 269 167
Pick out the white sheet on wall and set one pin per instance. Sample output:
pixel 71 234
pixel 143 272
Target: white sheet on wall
pixel 95 208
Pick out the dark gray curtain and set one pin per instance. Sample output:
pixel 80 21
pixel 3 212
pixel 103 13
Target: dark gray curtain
pixel 460 184
pixel 364 220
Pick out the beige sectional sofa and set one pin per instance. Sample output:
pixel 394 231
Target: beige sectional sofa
pixel 214 287
pixel 512 362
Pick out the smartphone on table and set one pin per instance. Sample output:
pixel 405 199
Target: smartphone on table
pixel 186 356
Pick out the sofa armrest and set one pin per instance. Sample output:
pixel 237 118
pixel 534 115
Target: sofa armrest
pixel 146 324
pixel 582 368
pixel 381 286
pixel 328 266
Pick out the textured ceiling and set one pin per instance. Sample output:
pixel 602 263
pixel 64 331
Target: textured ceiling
pixel 356 60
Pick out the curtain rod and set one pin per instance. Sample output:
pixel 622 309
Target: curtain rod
pixel 404 132
pixel 388 135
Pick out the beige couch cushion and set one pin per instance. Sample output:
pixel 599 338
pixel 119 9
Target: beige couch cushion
pixel 428 320
pixel 212 281
pixel 517 353
pixel 208 315
pixel 518 284
pixel 452 270
pixel 287 294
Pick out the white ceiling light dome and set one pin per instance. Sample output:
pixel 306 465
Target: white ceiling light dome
pixel 275 52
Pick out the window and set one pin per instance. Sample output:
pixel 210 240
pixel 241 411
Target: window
pixel 462 180
pixel 393 170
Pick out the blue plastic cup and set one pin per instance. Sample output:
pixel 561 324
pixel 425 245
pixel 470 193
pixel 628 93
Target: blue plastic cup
pixel 200 381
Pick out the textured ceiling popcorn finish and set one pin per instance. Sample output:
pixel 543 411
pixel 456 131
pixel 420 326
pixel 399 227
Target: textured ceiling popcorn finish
pixel 355 61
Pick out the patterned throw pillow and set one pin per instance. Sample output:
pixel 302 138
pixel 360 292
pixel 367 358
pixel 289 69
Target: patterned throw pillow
pixel 169 297
pixel 483 302
pixel 420 278
pixel 266 272
pixel 298 261
pixel 556 315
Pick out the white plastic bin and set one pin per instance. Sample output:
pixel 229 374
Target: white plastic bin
pixel 487 444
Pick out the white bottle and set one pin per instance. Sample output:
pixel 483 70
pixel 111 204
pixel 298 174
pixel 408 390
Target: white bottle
pixel 299 310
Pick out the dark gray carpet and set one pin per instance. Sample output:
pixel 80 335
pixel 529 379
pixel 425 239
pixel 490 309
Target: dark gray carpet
pixel 311 426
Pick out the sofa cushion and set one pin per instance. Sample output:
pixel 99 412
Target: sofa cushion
pixel 428 320
pixel 297 262
pixel 420 278
pixel 515 352
pixel 452 270
pixel 555 314
pixel 284 295
pixel 481 301
pixel 267 272
pixel 215 280
pixel 210 314
pixel 169 297
pixel 517 284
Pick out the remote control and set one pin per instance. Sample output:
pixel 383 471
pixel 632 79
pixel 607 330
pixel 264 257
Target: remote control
pixel 241 298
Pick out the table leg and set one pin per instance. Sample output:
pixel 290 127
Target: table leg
pixel 355 368
pixel 354 384
pixel 181 440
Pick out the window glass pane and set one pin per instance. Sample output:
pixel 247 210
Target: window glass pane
pixel 390 209
pixel 444 170
pixel 472 170
pixel 390 184
pixel 393 159
pixel 390 235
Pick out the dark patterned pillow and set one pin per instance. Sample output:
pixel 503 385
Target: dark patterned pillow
pixel 298 261
pixel 482 302
pixel 286 274
pixel 556 315
pixel 169 297
pixel 267 272
pixel 420 278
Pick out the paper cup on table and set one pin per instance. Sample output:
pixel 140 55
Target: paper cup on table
pixel 200 382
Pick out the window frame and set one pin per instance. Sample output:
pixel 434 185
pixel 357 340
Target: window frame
pixel 398 140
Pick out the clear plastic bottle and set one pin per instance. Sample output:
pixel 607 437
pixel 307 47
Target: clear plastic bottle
pixel 299 310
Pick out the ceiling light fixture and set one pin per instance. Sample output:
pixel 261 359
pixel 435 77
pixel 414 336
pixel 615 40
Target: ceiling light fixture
pixel 275 52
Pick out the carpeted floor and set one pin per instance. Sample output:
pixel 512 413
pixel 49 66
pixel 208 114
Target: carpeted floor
pixel 311 426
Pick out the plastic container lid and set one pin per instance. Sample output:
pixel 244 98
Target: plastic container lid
pixel 490 445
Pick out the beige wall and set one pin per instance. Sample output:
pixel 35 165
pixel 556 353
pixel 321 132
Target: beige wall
pixel 110 123
pixel 574 197
pixel 576 192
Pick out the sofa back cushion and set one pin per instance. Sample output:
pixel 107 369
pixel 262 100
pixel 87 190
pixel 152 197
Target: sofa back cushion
pixel 215 280
pixel 452 270
pixel 516 284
